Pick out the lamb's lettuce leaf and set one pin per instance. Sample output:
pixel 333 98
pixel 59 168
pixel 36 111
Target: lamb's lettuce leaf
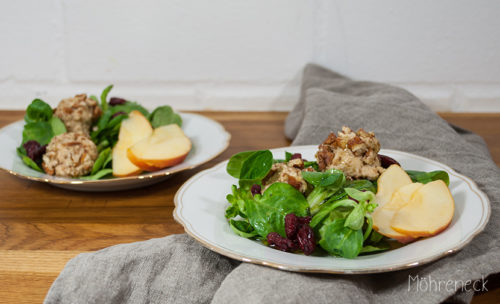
pixel 237 199
pixel 128 107
pixel 427 177
pixel 325 185
pixel 37 111
pixel 57 125
pixel 250 165
pixel 243 228
pixel 333 206
pixel 323 179
pixel 340 240
pixel 266 213
pixel 382 246
pixel 164 115
pixel 40 131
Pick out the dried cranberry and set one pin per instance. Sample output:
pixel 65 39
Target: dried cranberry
pixel 305 238
pixel 386 161
pixel 113 101
pixel 118 113
pixel 256 189
pixel 304 220
pixel 34 150
pixel 275 240
pixel 293 245
pixel 42 150
pixel 299 235
pixel 296 155
pixel 291 225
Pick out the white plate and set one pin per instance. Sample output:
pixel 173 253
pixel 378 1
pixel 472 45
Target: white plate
pixel 209 139
pixel 201 203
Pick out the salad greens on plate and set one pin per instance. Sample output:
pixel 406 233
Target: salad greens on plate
pixel 331 216
pixel 42 125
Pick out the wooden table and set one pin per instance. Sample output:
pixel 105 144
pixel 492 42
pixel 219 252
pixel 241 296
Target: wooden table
pixel 42 227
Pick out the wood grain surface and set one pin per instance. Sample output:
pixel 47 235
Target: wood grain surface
pixel 42 227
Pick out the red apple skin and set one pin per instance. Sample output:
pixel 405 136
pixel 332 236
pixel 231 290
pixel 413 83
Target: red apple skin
pixel 155 165
pixel 417 234
pixel 132 130
pixel 403 239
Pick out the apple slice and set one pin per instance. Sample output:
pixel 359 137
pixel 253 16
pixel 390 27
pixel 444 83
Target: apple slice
pixel 402 196
pixel 133 129
pixel 382 224
pixel 122 166
pixel 167 146
pixel 389 181
pixel 429 211
pixel 382 216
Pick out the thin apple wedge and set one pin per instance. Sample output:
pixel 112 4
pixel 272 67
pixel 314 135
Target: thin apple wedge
pixel 429 211
pixel 381 223
pixel 389 181
pixel 403 196
pixel 133 129
pixel 382 216
pixel 122 166
pixel 167 146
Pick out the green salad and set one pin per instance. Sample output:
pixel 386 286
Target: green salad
pixel 100 125
pixel 325 213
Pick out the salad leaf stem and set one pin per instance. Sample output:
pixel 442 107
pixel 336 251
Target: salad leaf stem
pixel 28 161
pixel 100 174
pixel 101 159
pixel 320 216
pixel 325 185
pixel 104 98
pixel 243 228
pixel 368 230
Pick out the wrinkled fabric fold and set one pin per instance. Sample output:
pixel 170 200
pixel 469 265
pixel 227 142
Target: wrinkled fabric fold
pixel 176 269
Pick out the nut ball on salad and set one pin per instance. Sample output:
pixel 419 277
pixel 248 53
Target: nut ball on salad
pixel 289 172
pixel 78 113
pixel 70 154
pixel 354 153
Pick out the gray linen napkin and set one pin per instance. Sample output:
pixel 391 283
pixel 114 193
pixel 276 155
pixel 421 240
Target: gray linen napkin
pixel 176 269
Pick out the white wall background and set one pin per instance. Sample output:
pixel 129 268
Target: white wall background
pixel 247 55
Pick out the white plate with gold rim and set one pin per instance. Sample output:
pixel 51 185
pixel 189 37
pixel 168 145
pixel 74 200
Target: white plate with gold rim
pixel 201 203
pixel 209 139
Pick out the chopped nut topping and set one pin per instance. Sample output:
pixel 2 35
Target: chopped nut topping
pixel 289 172
pixel 70 154
pixel 355 153
pixel 77 113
